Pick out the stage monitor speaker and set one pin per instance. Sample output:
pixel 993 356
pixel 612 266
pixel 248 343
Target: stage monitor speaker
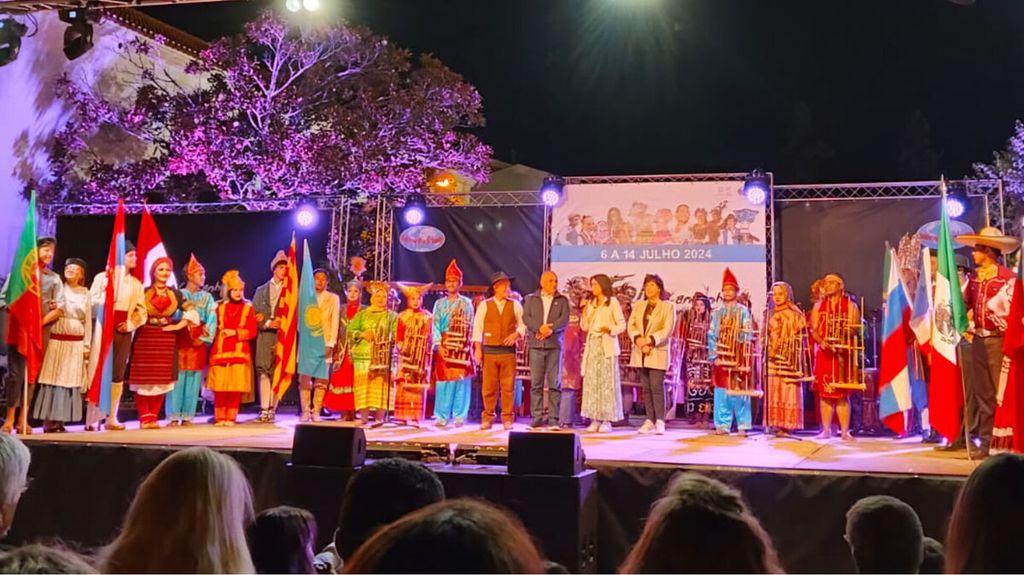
pixel 544 454
pixel 328 445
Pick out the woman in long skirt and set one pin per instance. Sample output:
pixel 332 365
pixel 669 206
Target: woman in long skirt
pixel 602 388
pixel 372 337
pixel 339 396
pixel 785 396
pixel 64 373
pixel 230 375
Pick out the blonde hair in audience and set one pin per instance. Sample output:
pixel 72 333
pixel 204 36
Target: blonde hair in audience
pixel 189 516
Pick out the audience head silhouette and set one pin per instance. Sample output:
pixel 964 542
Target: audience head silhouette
pixel 281 540
pixel 35 558
pixel 885 535
pixel 379 494
pixel 701 525
pixel 984 533
pixel 934 560
pixel 14 461
pixel 189 516
pixel 457 536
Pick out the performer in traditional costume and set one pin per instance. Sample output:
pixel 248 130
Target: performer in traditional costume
pixel 694 333
pixel 497 326
pixel 65 365
pixel 546 315
pixel 831 318
pixel 371 335
pixel 602 385
pixel 51 293
pixel 650 329
pixel 987 298
pixel 339 396
pixel 785 393
pixel 735 317
pixel 267 302
pixel 192 344
pixel 230 374
pixel 453 360
pixel 413 338
pixel 154 368
pixel 312 388
pixel 130 313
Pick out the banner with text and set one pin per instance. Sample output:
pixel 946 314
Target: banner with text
pixel 686 232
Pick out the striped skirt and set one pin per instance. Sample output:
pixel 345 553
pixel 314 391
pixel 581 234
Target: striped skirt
pixel 154 358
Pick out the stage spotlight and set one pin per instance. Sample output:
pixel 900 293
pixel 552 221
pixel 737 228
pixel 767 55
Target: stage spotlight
pixel 756 187
pixel 956 200
pixel 77 36
pixel 311 5
pixel 11 32
pixel 415 211
pixel 551 191
pixel 306 216
pixel 293 5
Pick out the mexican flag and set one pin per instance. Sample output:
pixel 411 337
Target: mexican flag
pixel 949 320
pixel 24 304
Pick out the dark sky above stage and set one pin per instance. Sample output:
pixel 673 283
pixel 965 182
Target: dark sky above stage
pixel 814 90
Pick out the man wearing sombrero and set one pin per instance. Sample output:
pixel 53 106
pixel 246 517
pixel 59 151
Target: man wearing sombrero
pixel 497 326
pixel 987 326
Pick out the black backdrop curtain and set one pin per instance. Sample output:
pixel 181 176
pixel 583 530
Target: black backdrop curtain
pixel 848 237
pixel 243 241
pixel 483 240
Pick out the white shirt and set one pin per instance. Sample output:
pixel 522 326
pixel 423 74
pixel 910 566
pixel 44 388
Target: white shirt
pixel 546 300
pixel 481 312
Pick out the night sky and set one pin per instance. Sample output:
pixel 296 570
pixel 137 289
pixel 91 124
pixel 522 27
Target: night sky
pixel 814 90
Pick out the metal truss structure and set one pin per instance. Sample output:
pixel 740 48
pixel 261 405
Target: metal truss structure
pixel 383 238
pixel 991 190
pixel 484 200
pixel 30 6
pixel 187 208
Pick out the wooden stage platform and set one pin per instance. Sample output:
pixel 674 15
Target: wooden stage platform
pixel 680 446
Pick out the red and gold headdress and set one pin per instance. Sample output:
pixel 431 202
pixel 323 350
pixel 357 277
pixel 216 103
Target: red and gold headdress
pixel 157 262
pixel 453 272
pixel 728 279
pixel 376 286
pixel 193 266
pixel 232 280
pixel 410 291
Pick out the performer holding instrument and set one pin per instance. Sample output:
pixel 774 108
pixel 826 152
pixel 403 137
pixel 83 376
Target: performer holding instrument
pixel 838 329
pixel 412 337
pixel 452 327
pixel 788 351
pixel 730 351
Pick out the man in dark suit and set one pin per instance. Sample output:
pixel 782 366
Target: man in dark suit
pixel 265 302
pixel 546 315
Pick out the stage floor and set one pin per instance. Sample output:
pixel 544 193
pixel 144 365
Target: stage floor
pixel 623 446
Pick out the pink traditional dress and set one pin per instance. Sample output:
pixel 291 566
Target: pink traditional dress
pixel 413 337
pixel 339 388
pixel 785 398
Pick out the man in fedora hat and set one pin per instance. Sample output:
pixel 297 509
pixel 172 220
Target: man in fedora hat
pixel 497 326
pixel 265 301
pixel 990 282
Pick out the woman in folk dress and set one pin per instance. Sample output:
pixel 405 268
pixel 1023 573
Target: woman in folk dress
pixel 602 388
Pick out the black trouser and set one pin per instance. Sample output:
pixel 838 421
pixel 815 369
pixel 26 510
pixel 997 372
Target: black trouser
pixel 15 380
pixel 652 382
pixel 546 365
pixel 986 363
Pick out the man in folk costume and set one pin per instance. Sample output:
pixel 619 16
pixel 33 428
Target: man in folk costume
pixel 988 308
pixel 830 363
pixel 51 291
pixel 230 357
pixel 728 407
pixel 453 361
pixel 330 308
pixel 339 396
pixel 497 327
pixel 546 315
pixel 266 302
pixel 413 338
pixel 129 315
pixel 193 343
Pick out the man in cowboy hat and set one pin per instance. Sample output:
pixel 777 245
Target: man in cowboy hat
pixel 265 302
pixel 496 328
pixel 987 326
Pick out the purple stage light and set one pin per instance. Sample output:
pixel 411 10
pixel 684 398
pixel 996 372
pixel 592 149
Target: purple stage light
pixel 955 207
pixel 415 211
pixel 550 196
pixel 756 187
pixel 306 217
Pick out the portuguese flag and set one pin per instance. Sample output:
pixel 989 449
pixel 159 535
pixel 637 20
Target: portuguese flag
pixel 24 304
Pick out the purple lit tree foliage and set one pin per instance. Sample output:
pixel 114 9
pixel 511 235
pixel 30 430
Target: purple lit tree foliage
pixel 1008 165
pixel 280 111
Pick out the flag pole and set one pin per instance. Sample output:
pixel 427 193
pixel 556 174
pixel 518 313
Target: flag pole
pixel 966 425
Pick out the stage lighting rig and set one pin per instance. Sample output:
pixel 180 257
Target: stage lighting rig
pixel 415 211
pixel 756 187
pixel 551 191
pixel 11 33
pixel 78 35
pixel 956 200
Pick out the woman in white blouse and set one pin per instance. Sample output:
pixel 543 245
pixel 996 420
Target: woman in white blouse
pixel 602 387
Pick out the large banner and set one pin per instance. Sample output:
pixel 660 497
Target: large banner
pixel 686 232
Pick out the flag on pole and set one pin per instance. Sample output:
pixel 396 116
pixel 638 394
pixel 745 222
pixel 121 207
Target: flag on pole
pixel 921 310
pixel 312 349
pixel 894 375
pixel 149 249
pixel 287 304
pixel 1008 431
pixel 24 302
pixel 949 321
pixel 102 361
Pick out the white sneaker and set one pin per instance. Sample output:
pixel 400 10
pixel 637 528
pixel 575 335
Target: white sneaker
pixel 647 427
pixel 659 427
pixel 605 427
pixel 592 428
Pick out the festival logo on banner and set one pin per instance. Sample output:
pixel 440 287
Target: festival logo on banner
pixel 929 233
pixel 687 232
pixel 421 239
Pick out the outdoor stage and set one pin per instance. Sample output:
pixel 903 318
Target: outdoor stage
pixel 83 483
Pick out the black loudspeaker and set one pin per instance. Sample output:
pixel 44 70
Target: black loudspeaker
pixel 328 446
pixel 544 454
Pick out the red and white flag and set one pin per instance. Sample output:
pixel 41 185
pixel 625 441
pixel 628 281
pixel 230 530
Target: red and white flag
pixel 149 249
